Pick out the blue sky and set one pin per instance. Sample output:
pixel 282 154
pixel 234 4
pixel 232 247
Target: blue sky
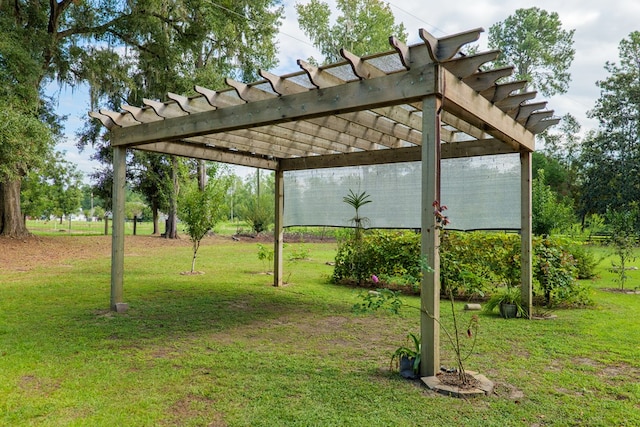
pixel 600 26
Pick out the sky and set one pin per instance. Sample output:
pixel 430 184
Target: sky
pixel 599 27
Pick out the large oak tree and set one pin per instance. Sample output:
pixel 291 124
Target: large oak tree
pixel 41 41
pixel 124 51
pixel 196 42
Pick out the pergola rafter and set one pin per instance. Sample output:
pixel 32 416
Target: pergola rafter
pixel 423 102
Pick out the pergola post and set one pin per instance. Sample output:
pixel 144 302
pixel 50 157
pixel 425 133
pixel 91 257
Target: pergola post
pixel 430 288
pixel 278 232
pixel 117 224
pixel 526 232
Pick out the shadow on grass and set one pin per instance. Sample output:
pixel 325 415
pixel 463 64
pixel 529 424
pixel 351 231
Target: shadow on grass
pixel 163 311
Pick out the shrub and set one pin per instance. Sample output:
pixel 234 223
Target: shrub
pixel 554 269
pixel 584 259
pixel 474 263
pixel 392 256
pixel 471 264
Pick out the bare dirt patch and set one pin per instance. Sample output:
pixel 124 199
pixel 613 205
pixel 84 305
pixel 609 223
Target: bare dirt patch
pixel 40 251
pixel 193 406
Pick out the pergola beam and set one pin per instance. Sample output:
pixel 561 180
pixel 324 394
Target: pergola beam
pixel 467 104
pixel 350 97
pixel 378 157
pixel 206 153
pixel 449 150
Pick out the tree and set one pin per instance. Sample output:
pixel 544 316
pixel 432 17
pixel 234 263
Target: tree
pixel 256 202
pixel 623 226
pixel 610 156
pixel 39 42
pixel 563 146
pixel 200 210
pixel 356 201
pixel 65 191
pixel 363 27
pixel 549 213
pixel 534 42
pixel 23 140
pixel 150 172
pixel 34 200
pixel 190 42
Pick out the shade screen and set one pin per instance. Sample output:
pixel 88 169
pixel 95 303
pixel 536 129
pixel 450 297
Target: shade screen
pixel 480 193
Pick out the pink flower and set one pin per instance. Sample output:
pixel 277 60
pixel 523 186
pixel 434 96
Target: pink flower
pixel 374 278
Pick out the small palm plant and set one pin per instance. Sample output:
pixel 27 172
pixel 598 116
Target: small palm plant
pixel 358 263
pixel 356 201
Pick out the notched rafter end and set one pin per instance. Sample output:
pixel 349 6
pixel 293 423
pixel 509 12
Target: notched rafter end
pixel 445 48
pixel 105 120
pixel 543 125
pixel 403 51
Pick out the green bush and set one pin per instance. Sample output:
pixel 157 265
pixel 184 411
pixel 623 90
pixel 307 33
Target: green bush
pixel 393 257
pixel 474 263
pixel 584 259
pixel 554 269
pixel 471 264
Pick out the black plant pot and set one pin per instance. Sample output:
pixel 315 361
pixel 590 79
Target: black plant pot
pixel 406 367
pixel 508 311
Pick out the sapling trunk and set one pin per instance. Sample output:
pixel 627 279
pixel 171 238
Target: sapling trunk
pixel 196 246
pixel 456 347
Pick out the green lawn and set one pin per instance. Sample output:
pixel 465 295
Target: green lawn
pixel 97 228
pixel 83 228
pixel 227 349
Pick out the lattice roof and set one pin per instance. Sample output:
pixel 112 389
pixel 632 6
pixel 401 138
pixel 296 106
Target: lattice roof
pixel 363 110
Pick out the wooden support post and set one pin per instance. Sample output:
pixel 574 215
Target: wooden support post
pixel 117 232
pixel 430 291
pixel 525 232
pixel 278 232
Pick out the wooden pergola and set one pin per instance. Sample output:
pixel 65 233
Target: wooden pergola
pixel 423 102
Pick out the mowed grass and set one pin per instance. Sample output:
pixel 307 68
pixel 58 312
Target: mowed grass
pixel 228 349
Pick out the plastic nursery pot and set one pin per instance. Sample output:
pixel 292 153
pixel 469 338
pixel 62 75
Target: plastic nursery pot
pixel 508 311
pixel 406 367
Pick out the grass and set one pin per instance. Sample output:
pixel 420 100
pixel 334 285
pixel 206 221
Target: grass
pixel 227 349
pixel 84 228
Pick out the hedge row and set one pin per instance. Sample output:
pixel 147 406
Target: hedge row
pixel 471 264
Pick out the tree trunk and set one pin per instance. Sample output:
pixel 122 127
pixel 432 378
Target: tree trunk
pixel 11 219
pixel 154 211
pixel 202 174
pixel 172 221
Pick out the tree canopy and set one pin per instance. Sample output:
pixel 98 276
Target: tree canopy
pixel 124 51
pixel 363 27
pixel 534 41
pixel 185 43
pixel 611 155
